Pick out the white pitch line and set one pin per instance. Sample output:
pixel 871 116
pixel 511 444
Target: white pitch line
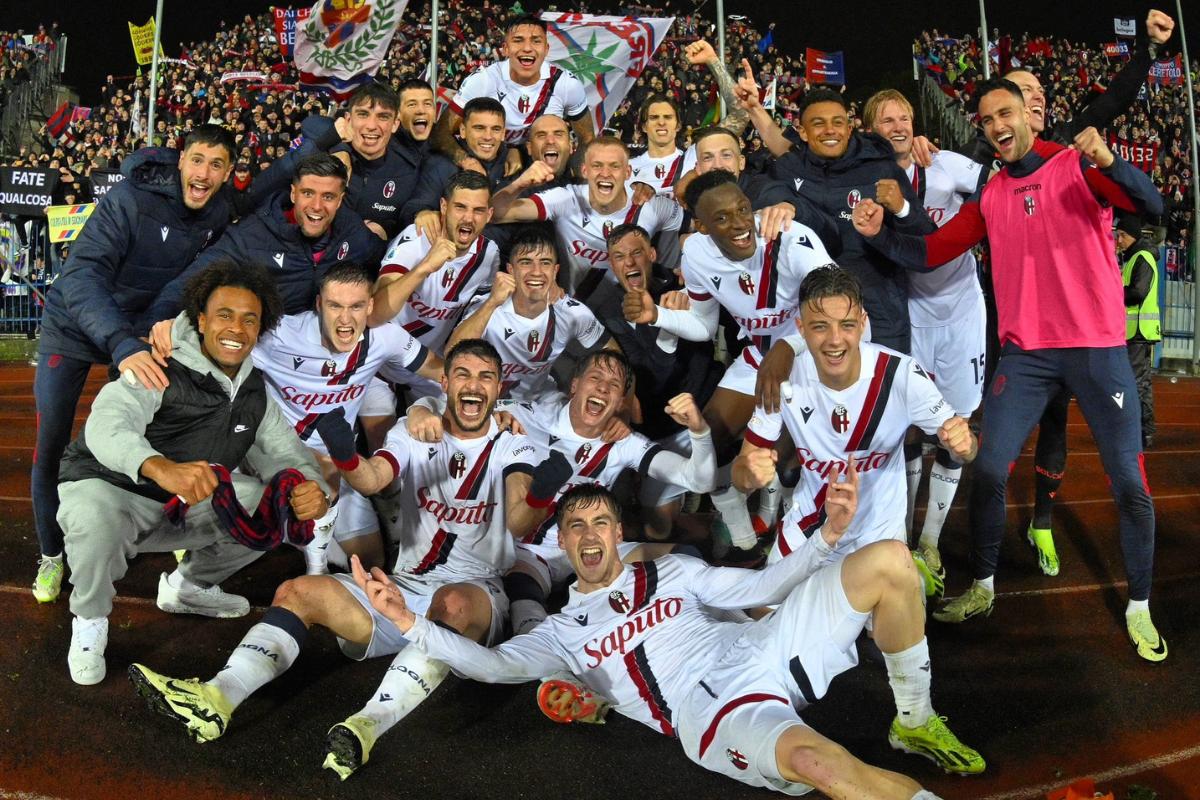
pixel 1156 762
pixel 7 795
pixel 1091 587
pixel 136 601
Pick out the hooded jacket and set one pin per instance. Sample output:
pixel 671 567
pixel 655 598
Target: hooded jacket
pixel 140 238
pixel 269 239
pixel 203 415
pixel 835 186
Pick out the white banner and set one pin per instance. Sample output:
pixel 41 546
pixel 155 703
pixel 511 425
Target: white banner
pixel 1125 27
pixel 251 75
pixel 606 53
pixel 768 95
pixel 338 49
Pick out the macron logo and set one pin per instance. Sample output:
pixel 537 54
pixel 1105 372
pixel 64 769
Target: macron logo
pixel 165 231
pixel 278 259
pixel 240 428
pixel 1119 399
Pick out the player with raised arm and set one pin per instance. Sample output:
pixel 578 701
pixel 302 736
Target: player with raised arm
pixel 653 636
pixel 456 503
pixel 947 312
pixel 527 328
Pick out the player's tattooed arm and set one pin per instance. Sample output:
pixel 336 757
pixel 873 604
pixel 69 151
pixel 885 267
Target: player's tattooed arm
pixel 443 139
pixel 747 96
pixel 584 130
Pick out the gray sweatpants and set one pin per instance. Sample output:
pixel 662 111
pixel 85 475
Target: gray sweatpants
pixel 105 526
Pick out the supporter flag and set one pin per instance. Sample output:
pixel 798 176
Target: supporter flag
pixel 1116 50
pixel 606 53
pixel 142 37
pixel 80 113
pixel 767 40
pixel 343 42
pixel 59 120
pixel 445 96
pixel 1125 27
pixel 67 221
pixel 767 95
pixel 713 115
pixel 1167 73
pixel 825 67
pixel 286 20
pixel 1142 154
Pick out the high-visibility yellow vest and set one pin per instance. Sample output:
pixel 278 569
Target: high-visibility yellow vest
pixel 1144 318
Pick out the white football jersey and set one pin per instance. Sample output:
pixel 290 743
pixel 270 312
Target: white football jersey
pixel 584 232
pixel 937 297
pixel 761 292
pixel 661 173
pixel 529 347
pixel 307 380
pixel 868 419
pixel 448 516
pixel 436 306
pixel 556 92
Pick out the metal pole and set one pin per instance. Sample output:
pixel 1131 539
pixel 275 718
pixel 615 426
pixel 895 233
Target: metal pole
pixel 983 35
pixel 433 50
pixel 721 30
pixel 154 72
pixel 1194 247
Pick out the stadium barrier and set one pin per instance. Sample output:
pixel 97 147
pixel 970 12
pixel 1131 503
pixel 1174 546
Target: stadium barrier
pixel 25 272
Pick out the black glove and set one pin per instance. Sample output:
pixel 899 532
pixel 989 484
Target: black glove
pixel 338 436
pixel 548 477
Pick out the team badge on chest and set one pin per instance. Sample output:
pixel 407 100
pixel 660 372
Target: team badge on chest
pixel 619 602
pixel 840 419
pixel 458 465
pixel 746 283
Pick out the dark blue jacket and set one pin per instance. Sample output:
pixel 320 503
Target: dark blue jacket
pixel 140 237
pixel 835 186
pixel 269 239
pixel 436 172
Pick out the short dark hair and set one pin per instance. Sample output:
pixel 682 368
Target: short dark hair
pixel 412 84
pixel 585 495
pixel 466 179
pixel 823 95
pixel 213 136
pixel 529 238
pixel 374 94
pixel 994 85
pixel 525 19
pixel 322 165
pixel 480 348
pixel 229 273
pixel 608 358
pixel 483 105
pixel 706 183
pixel 714 130
pixel 345 272
pixel 624 229
pixel 658 97
pixel 830 280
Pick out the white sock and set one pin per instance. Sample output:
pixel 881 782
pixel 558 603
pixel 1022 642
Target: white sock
pixel 909 675
pixel 943 484
pixel 56 559
pixel 768 501
pixel 409 680
pixel 925 794
pixel 912 471
pixel 988 583
pixel 732 505
pixel 1137 605
pixel 525 615
pixel 265 653
pixel 316 552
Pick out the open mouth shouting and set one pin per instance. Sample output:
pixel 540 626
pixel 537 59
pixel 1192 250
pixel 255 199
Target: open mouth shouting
pixel 635 278
pixel 313 222
pixel 606 189
pixel 345 335
pixel 591 556
pixel 1004 143
pixel 471 409
pixel 551 156
pixel 198 192
pixel 420 126
pixel 1038 112
pixel 464 234
pixel 594 409
pixel 526 60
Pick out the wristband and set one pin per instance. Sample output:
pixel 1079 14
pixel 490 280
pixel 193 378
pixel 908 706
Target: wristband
pixel 349 465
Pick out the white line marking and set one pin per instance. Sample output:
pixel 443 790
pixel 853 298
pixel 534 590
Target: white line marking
pixel 7 795
pixel 1156 762
pixel 1089 587
pixel 136 601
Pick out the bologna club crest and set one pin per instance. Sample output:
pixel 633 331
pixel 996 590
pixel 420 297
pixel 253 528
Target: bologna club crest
pixel 854 198
pixel 447 277
pixel 523 104
pixel 736 758
pixel 328 368
pixel 343 251
pixel 659 171
pixel 581 455
pixel 1030 205
pixel 533 341
pixel 607 228
pixel 619 602
pixel 458 465
pixel 840 419
pixel 746 283
pixel 389 189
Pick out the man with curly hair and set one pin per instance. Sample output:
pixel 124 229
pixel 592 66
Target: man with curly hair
pixel 151 471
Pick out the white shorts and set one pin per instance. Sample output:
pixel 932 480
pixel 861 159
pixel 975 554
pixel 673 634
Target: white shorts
pixel 742 374
pixel 734 716
pixel 954 355
pixel 379 400
pixel 356 516
pixel 386 638
pixel 653 492
pixel 549 565
pixel 790 536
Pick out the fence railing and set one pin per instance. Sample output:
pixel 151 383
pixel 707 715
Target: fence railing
pixel 944 120
pixel 25 99
pixel 28 263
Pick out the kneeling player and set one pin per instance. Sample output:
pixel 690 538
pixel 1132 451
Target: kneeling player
pixel 653 637
pixel 459 497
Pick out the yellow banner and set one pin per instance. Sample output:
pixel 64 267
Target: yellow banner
pixel 143 41
pixel 67 221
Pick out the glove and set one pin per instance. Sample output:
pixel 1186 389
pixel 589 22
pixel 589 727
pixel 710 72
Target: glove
pixel 548 477
pixel 338 437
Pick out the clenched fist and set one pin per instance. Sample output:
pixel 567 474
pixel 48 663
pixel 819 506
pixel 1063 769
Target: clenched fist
pixel 1089 142
pixel 889 195
pixel 955 435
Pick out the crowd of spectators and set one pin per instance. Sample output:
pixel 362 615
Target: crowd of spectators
pixel 1072 72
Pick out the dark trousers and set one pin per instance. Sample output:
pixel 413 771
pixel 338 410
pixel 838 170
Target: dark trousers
pixel 57 385
pixel 1141 355
pixel 1102 382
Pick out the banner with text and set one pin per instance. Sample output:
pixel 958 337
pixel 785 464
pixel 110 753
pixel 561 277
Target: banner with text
pixel 1143 155
pixel 1116 49
pixel 104 180
pixel 142 37
pixel 286 20
pixel 1124 27
pixel 607 54
pixel 1167 73
pixel 26 191
pixel 825 67
pixel 67 221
